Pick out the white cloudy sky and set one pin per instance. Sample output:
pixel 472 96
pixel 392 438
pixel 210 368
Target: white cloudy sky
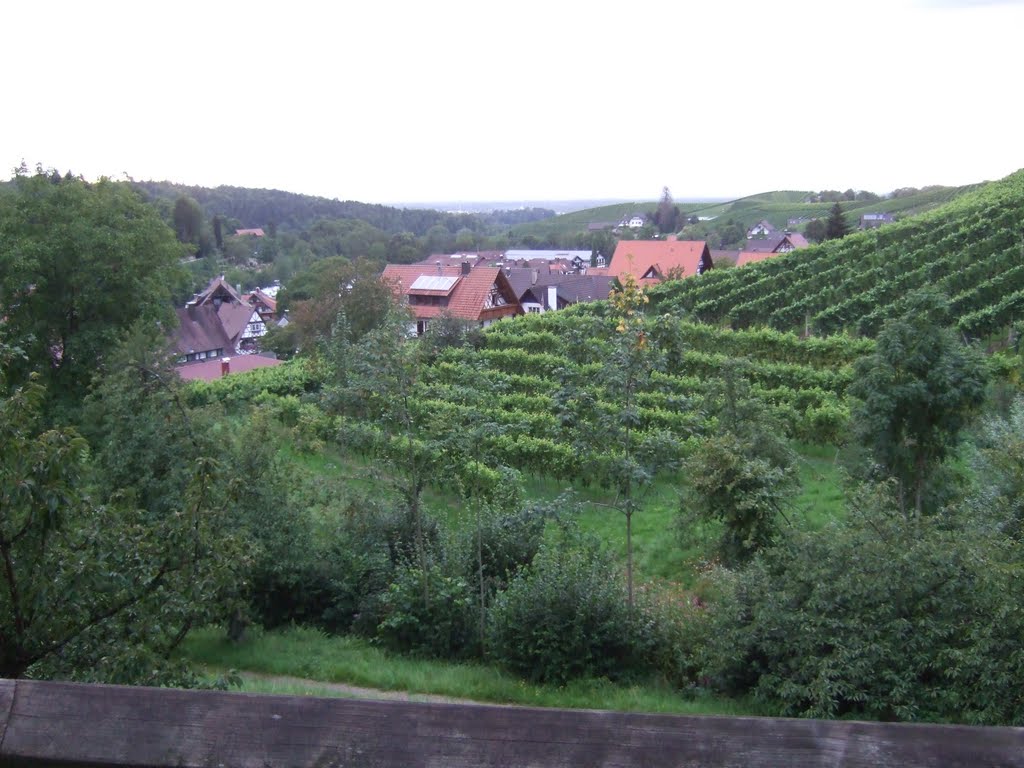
pixel 525 100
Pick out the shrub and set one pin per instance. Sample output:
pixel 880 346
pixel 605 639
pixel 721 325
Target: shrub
pixel 440 624
pixel 669 629
pixel 563 617
pixel 333 577
pixel 886 617
pixel 508 542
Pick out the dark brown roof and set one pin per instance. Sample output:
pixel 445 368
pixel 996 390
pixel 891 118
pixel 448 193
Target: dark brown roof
pixel 234 318
pixel 773 243
pixel 219 287
pixel 200 330
pixel 578 288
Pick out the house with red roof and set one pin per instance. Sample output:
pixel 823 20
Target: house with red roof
pixel 651 261
pixel 264 303
pixel 482 295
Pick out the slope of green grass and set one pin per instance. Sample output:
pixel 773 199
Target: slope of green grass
pixel 777 207
pixel 309 654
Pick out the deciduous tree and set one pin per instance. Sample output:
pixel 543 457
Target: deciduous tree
pixel 80 263
pixel 915 395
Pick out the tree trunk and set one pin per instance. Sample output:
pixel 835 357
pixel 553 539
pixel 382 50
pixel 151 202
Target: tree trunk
pixel 629 554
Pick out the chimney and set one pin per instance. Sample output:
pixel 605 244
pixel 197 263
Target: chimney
pixel 535 274
pixel 671 238
pixel 466 267
pixel 440 269
pixel 552 297
pixel 225 366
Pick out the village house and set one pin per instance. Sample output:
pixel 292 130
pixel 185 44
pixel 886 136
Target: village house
pixel 651 261
pixel 763 228
pixel 544 290
pixel 636 221
pixel 875 220
pixel 220 321
pixel 482 295
pixel 780 242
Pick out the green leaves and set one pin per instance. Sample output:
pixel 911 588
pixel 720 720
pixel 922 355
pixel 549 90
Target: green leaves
pixel 81 263
pixel 915 395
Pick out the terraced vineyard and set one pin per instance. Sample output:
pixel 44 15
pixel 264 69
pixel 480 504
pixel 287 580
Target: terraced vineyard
pixel 971 249
pixel 841 292
pixel 515 380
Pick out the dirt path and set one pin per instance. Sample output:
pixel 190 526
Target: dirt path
pixel 353 691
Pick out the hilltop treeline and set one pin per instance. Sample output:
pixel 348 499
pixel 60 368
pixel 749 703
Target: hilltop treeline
pixel 274 209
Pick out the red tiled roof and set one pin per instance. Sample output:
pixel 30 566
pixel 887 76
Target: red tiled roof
pixel 466 299
pixel 640 257
pixel 749 257
pixel 208 370
pixel 259 296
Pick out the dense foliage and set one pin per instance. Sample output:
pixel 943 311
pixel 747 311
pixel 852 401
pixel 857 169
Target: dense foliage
pixel 79 264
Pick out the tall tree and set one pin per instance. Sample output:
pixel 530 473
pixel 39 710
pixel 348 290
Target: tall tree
pixel 915 394
pixel 102 589
pixel 317 295
pixel 188 220
pixel 80 263
pixel 836 226
pixel 816 230
pixel 377 381
pixel 741 476
pixel 626 458
pixel 667 216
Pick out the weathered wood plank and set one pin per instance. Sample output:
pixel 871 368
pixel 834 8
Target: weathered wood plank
pixel 115 726
pixel 7 688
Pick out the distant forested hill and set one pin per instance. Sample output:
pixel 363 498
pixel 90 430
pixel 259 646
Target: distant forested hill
pixel 273 208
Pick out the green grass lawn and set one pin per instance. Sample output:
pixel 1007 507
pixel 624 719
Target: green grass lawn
pixel 310 654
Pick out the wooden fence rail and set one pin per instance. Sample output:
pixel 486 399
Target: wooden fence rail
pixel 100 725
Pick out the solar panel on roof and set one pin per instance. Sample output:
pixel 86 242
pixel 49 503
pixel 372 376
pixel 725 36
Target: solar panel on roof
pixel 433 283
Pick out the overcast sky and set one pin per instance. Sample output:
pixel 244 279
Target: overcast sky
pixel 446 100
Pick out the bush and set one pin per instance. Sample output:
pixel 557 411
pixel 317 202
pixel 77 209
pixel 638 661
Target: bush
pixel 508 542
pixel 333 578
pixel 563 617
pixel 670 628
pixel 886 617
pixel 440 624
